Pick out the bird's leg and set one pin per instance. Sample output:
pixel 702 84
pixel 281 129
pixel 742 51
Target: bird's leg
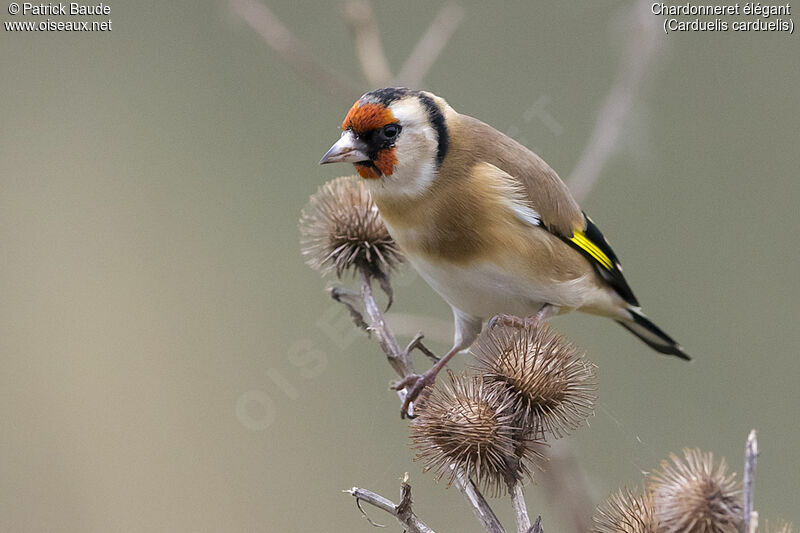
pixel 467 328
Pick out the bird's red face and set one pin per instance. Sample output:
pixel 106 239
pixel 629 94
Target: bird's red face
pixel 369 133
pixel 368 120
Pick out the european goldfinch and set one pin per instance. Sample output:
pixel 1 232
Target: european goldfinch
pixel 485 221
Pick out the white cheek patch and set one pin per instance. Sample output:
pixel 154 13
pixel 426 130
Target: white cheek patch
pixel 415 150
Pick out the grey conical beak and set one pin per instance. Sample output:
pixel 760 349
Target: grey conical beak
pixel 348 149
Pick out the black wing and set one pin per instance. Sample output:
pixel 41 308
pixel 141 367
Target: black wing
pixel 596 249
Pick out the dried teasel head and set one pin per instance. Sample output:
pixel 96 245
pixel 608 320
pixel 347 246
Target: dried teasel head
pixel 464 425
pixel 693 495
pixel 341 229
pixel 552 384
pixel 626 512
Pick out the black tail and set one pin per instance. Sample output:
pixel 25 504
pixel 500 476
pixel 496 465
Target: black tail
pixel 642 327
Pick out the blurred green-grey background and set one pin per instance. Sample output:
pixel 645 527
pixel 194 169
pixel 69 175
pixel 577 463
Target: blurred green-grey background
pixel 170 364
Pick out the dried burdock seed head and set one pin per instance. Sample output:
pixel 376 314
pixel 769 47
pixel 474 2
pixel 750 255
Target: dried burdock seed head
pixel 693 495
pixel 462 424
pixel 341 229
pixel 626 512
pixel 552 384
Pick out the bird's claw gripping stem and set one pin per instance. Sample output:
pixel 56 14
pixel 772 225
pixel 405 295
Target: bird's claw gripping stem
pixel 414 385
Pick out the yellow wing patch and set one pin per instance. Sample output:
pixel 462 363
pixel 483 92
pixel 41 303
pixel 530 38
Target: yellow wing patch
pixel 580 239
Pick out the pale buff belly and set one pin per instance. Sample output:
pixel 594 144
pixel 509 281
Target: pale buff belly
pixel 484 290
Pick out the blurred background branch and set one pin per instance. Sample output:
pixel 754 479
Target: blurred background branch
pixel 292 50
pixel 369 48
pixel 644 41
pixel 430 45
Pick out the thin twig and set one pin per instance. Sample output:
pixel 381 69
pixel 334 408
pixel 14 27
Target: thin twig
pixel 640 50
pixel 369 49
pixel 537 526
pixel 291 49
pixel 480 507
pixel 520 509
pixel 402 511
pixel 430 45
pixel 416 342
pixel 750 458
pixel 348 299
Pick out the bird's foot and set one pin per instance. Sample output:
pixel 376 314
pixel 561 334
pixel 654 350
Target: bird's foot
pixel 511 321
pixel 521 323
pixel 414 385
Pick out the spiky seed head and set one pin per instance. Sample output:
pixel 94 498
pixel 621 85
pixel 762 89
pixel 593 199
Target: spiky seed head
pixel 552 384
pixel 626 512
pixel 341 229
pixel 693 495
pixel 464 425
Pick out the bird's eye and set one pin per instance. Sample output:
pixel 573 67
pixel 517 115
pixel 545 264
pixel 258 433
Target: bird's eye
pixel 390 131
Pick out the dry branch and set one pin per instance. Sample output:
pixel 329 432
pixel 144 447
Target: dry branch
pixel 402 511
